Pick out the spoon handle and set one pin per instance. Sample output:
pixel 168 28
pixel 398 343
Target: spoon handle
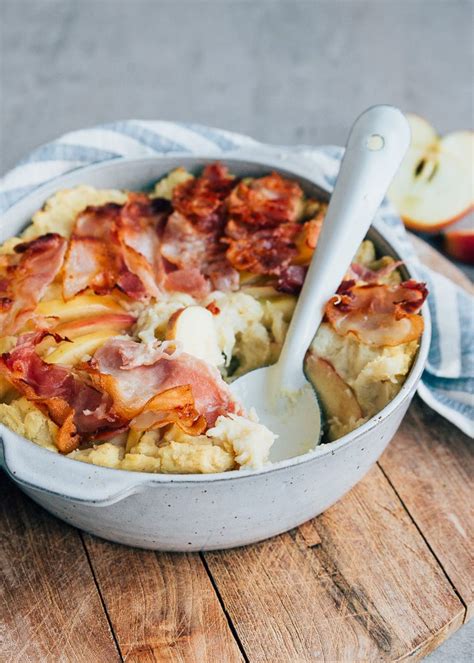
pixel 375 148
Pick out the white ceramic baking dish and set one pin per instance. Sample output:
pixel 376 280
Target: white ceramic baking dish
pixel 197 512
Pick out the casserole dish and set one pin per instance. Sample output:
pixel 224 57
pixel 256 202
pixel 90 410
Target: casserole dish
pixel 198 512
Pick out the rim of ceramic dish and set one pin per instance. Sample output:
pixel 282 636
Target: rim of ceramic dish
pixel 265 158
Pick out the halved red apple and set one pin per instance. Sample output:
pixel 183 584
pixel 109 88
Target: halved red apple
pixel 434 185
pixel 459 244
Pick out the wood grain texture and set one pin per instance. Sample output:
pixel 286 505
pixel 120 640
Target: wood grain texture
pixel 162 606
pixel 370 591
pixel 431 466
pixel 50 607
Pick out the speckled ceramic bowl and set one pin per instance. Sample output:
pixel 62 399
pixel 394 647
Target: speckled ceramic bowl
pixel 197 512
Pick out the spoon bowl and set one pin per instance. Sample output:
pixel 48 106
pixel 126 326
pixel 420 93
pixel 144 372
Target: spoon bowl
pixel 294 416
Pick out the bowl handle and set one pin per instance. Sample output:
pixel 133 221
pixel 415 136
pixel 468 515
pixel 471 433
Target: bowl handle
pixel 35 468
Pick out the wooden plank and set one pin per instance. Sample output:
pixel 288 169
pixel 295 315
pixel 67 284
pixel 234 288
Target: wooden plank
pixel 50 607
pixel 431 466
pixel 162 606
pixel 308 534
pixel 370 591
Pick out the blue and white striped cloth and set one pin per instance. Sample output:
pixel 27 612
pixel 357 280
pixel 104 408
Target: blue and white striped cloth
pixel 447 383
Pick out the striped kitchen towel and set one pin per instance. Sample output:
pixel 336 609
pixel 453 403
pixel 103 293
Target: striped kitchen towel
pixel 447 383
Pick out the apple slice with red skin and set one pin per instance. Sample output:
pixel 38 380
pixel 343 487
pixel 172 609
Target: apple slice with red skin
pixel 118 322
pixel 434 185
pixel 459 244
pixel 335 396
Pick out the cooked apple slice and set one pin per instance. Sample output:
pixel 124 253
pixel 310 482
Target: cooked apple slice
pixel 336 397
pixel 459 244
pixel 78 307
pixel 194 327
pixel 435 183
pixel 70 353
pixel 119 322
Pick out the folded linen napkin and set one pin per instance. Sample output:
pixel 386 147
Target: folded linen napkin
pixel 448 381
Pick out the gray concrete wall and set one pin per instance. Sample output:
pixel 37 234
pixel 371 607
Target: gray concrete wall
pixel 284 71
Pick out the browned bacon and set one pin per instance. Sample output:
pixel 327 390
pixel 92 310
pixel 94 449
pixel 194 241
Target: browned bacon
pixel 262 232
pixel 186 247
pixel 265 202
pixel 117 246
pixel 378 315
pixel 193 233
pixel 220 226
pixel 265 251
pixel 201 200
pixel 24 277
pixel 133 374
pixel 80 410
pixel 172 406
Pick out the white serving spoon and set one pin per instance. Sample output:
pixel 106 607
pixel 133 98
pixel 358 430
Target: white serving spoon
pixel 283 398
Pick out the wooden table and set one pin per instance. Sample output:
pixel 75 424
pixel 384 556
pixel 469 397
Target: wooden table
pixel 382 575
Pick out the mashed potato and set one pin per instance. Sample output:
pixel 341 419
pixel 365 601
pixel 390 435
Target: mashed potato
pixel 375 374
pixel 233 442
pixel 25 419
pixel 245 438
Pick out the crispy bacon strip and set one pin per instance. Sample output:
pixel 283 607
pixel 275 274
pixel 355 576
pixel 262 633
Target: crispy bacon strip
pixel 79 409
pixel 24 277
pixel 201 199
pixel 193 233
pixel 263 235
pixel 141 223
pixel 265 251
pixel 133 374
pixel 378 315
pixel 67 439
pixel 266 202
pixel 186 247
pixel 117 246
pixel 172 406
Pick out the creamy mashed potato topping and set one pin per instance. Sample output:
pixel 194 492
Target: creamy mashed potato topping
pixel 375 375
pixel 134 310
